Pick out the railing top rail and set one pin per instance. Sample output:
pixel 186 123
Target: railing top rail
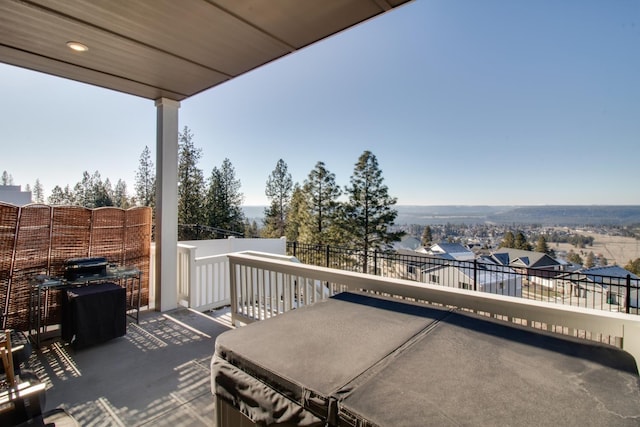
pixel 417 289
pixel 185 246
pixel 286 258
pixel 210 258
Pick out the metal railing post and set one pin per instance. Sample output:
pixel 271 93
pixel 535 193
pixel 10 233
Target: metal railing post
pixel 375 262
pixel 365 261
pixel 628 296
pixel 327 256
pixel 475 275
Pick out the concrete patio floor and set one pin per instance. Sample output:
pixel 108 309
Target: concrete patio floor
pixel 155 375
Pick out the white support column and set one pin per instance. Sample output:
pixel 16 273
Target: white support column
pixel 166 204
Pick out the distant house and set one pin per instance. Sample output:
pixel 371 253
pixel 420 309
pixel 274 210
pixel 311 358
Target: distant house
pixel 483 275
pixel 603 286
pixel 521 259
pixel 568 265
pixel 453 251
pixel 539 267
pixel 453 265
pixel 410 265
pixel 14 195
pixel 407 242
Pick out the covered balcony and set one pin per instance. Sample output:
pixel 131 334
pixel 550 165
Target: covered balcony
pixel 159 372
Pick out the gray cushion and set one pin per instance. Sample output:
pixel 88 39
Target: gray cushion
pixel 358 360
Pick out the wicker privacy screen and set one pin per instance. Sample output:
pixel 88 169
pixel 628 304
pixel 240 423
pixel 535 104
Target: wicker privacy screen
pixel 37 239
pixel 8 228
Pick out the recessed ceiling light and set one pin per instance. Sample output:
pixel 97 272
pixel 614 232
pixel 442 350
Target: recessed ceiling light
pixel 78 47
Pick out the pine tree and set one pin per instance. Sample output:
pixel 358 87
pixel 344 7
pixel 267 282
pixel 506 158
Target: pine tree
pixel 224 200
pixel 145 186
pixel 38 192
pixel 190 186
pixel 92 192
pixel 296 214
pixel 427 237
pixel 278 191
pixel 321 201
pixel 590 260
pixel 27 188
pixel 251 229
pixel 61 197
pixel 508 241
pixel 120 198
pixel 57 196
pixel 633 266
pixel 541 245
pixel 102 192
pixel 368 212
pixel 521 242
pixel 83 192
pixel 68 196
pixel 6 179
pixel 574 258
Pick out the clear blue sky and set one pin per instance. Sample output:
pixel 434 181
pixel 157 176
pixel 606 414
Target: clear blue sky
pixel 509 102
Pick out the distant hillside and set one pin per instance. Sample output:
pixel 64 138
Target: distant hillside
pixel 448 214
pixel 610 215
pixel 254 213
pixel 543 215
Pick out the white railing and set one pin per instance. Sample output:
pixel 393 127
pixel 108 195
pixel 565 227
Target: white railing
pixel 210 285
pixel 186 266
pixel 203 281
pixel 262 287
pixel 235 244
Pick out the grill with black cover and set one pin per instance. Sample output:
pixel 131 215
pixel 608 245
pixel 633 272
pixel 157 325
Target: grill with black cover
pixel 83 268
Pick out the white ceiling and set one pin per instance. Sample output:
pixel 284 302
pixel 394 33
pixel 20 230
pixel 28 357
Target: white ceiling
pixel 168 48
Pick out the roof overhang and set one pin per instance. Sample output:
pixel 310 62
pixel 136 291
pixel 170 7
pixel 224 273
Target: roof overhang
pixel 165 48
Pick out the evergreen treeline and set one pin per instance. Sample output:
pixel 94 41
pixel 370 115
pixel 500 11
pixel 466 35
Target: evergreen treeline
pixel 312 212
pixel 309 212
pixel 207 208
pixel 211 207
pixel 94 192
pixel 577 240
